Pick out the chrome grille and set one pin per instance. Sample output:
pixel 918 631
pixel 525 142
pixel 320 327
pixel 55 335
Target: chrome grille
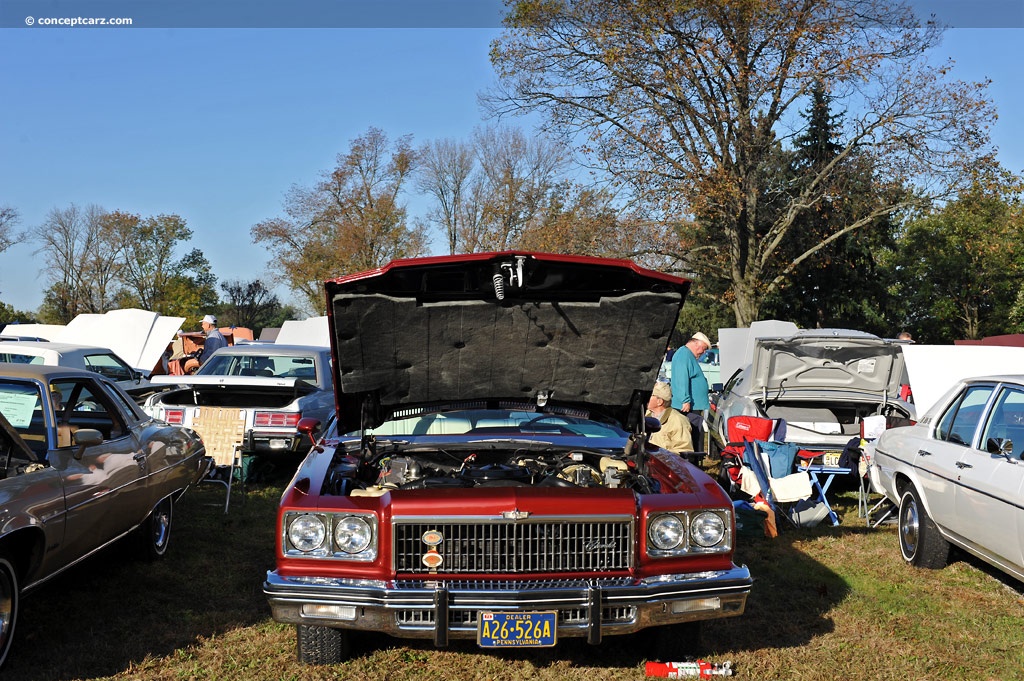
pixel 498 546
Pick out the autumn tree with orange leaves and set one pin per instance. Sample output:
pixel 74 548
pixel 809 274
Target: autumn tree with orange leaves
pixel 353 219
pixel 684 102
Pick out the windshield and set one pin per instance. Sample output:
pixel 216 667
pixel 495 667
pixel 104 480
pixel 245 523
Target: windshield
pixel 494 422
pixel 22 406
pixel 275 366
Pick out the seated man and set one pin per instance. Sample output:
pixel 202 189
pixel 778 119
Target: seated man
pixel 675 433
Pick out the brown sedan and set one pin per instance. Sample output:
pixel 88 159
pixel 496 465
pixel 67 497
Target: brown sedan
pixel 81 466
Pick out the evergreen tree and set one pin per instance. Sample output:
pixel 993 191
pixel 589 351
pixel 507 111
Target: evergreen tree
pixel 841 285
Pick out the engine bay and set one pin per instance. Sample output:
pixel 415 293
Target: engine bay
pixel 458 467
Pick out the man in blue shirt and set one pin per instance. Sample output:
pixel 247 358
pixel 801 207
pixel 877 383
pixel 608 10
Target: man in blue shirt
pixel 214 338
pixel 690 387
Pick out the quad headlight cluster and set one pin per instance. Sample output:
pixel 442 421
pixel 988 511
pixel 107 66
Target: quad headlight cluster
pixel 346 536
pixel 686 532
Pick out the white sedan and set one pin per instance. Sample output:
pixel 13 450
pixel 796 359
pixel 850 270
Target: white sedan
pixel 958 476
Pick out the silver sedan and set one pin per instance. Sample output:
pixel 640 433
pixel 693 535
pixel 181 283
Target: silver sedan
pixel 958 476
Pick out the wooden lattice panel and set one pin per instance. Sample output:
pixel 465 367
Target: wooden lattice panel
pixel 221 429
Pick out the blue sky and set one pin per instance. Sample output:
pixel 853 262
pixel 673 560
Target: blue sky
pixel 216 124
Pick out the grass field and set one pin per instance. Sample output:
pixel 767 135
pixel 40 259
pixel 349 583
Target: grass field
pixel 827 603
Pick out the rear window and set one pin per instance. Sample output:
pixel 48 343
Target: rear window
pixel 18 358
pixel 276 366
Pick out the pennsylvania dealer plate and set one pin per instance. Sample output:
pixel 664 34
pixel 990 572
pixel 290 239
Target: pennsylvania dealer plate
pixel 516 629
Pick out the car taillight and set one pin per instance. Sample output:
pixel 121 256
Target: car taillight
pixel 275 419
pixel 175 417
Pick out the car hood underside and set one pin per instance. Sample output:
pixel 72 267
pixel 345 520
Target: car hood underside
pixel 576 333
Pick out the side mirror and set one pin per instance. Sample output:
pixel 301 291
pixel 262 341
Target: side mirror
pixel 86 437
pixel 999 446
pixel 652 424
pixel 310 426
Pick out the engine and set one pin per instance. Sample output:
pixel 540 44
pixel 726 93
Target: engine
pixel 516 468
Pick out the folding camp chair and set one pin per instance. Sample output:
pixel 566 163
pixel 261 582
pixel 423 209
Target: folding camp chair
pixel 740 429
pixel 229 475
pixel 785 494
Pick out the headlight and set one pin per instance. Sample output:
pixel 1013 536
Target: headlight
pixel 307 533
pixel 707 529
pixel 352 534
pixel 667 532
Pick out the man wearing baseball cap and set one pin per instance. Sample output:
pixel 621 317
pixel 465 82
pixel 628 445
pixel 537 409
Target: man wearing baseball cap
pixel 675 429
pixel 214 338
pixel 690 386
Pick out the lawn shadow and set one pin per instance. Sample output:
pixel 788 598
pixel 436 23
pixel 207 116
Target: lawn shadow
pixel 110 612
pixel 789 605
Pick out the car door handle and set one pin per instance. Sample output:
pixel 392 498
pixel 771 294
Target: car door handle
pixel 961 464
pixel 923 452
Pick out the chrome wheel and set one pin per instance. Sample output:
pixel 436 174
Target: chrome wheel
pixel 155 532
pixel 8 606
pixel 921 543
pixel 908 528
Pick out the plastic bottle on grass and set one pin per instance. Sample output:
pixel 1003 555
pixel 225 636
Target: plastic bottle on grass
pixel 699 669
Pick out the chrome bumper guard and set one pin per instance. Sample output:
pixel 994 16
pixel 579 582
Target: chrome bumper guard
pixel 447 609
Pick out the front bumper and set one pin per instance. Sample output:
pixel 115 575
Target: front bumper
pixel 441 610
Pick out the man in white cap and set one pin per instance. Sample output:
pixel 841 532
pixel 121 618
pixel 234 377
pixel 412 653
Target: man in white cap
pixel 214 338
pixel 690 386
pixel 675 429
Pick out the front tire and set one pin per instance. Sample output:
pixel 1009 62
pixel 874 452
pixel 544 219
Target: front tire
pixel 8 607
pixel 155 532
pixel 322 645
pixel 920 542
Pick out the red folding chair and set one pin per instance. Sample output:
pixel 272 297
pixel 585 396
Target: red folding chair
pixel 741 429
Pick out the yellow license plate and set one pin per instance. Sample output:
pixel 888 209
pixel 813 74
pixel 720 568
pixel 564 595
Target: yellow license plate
pixel 517 629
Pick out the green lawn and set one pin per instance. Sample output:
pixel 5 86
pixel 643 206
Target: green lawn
pixel 828 603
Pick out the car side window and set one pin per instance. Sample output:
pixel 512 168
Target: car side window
pixel 731 383
pixel 1005 428
pixel 109 365
pixel 130 410
pixel 960 421
pixel 86 405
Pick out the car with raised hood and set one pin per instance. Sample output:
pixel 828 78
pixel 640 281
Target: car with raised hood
pixel 493 479
pixel 251 394
pixel 81 466
pixel 822 382
pixel 957 476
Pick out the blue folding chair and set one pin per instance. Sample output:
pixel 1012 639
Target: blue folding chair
pixel 782 493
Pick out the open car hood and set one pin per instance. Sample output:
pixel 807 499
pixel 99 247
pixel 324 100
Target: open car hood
pixel 827 359
pixel 499 329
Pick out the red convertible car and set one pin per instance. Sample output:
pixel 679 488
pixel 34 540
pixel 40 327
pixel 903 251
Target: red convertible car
pixel 492 479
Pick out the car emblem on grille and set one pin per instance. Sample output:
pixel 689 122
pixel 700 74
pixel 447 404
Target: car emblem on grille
pixel 432 559
pixel 515 514
pixel 597 545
